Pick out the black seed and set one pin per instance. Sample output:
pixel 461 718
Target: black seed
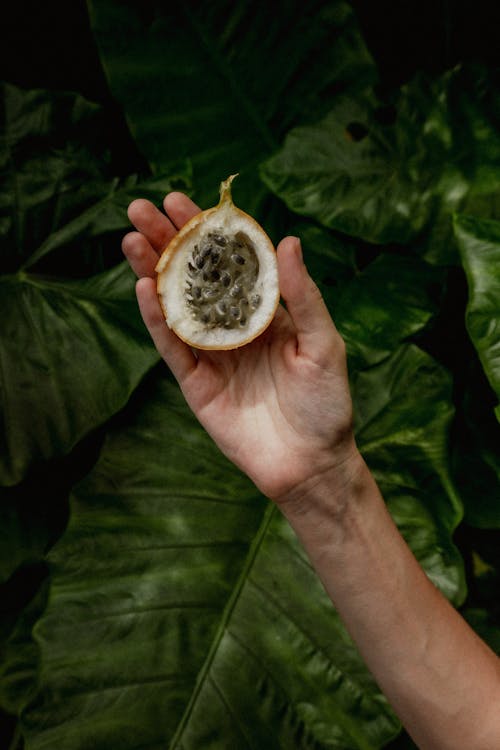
pixel 234 311
pixel 209 294
pixel 243 321
pixel 200 262
pixel 215 275
pixel 206 251
pixel 219 239
pixel 237 258
pixel 190 267
pixel 225 278
pixel 235 291
pixel 215 257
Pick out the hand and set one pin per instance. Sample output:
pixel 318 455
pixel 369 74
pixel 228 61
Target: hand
pixel 279 407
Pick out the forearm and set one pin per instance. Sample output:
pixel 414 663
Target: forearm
pixel 442 680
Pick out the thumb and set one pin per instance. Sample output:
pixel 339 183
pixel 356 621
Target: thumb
pixel 316 332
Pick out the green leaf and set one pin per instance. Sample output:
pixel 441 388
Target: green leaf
pixel 107 215
pixel 52 163
pixel 23 601
pixel 72 350
pixel 403 411
pixel 224 82
pixel 479 244
pixel 386 183
pixel 71 355
pixel 393 298
pixel 183 610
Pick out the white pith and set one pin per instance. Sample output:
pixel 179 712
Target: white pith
pixel 172 279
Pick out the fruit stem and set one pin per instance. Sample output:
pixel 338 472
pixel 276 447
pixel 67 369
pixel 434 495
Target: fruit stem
pixel 225 189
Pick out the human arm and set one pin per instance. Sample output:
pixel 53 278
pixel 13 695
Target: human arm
pixel 291 387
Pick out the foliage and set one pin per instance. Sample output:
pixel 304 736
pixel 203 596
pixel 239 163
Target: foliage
pixel 150 596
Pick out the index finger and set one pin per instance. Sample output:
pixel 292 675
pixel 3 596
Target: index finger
pixel 179 208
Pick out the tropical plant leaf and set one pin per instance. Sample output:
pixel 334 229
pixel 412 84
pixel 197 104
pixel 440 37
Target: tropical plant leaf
pixel 72 350
pixel 218 84
pixel 377 307
pixel 386 182
pixel 174 567
pixel 71 355
pixel 479 244
pixel 182 608
pixel 403 410
pixel 53 166
pixel 23 601
pixel 391 299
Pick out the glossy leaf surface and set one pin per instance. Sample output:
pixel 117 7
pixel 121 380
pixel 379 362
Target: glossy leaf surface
pixel 218 84
pixel 387 181
pixel 72 349
pixel 479 243
pixel 180 594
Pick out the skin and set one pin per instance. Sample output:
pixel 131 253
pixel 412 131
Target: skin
pixel 441 679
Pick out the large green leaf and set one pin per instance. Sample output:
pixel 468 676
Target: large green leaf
pixel 52 164
pixel 23 601
pixel 182 608
pixel 390 300
pixel 218 84
pixel 388 182
pixel 177 588
pixel 403 412
pixel 479 244
pixel 72 350
pixel 71 354
pixel 376 307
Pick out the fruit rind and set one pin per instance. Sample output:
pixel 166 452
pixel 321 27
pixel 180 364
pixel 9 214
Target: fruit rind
pixel 171 269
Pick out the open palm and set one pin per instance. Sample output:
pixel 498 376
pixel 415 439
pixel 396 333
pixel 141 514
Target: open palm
pixel 279 407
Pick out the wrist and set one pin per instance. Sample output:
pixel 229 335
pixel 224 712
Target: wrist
pixel 335 488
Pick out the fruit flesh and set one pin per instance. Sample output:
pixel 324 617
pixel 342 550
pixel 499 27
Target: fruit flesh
pixel 221 276
pixel 238 298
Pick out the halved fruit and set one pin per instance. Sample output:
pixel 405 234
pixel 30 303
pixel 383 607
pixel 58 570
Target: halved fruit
pixel 218 278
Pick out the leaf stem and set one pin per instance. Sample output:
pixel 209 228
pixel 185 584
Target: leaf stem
pixel 226 616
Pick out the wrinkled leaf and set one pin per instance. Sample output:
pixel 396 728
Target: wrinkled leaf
pixel 224 82
pixel 71 354
pixel 177 594
pixel 392 299
pixel 176 589
pixel 386 182
pixel 377 307
pixel 479 244
pixel 72 351
pixel 53 166
pixel 403 411
pixel 23 600
pixel 107 215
